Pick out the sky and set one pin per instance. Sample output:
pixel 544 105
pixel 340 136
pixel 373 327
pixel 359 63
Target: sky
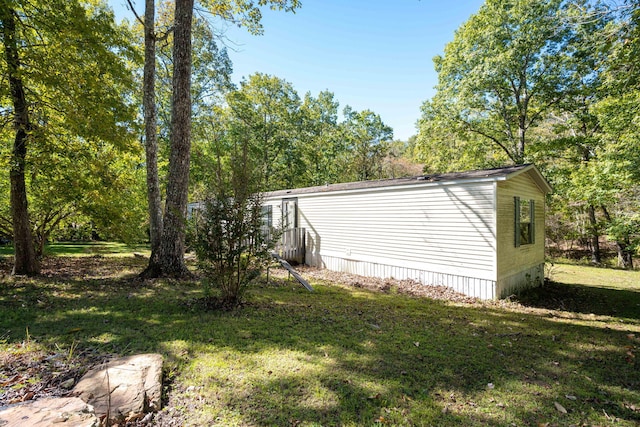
pixel 372 54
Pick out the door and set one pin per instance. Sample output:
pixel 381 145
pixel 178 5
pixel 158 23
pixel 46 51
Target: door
pixel 289 213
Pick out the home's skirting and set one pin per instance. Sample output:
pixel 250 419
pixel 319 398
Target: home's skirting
pixel 516 283
pixel 474 287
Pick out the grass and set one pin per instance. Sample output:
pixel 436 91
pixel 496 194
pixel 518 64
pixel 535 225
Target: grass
pixel 595 277
pixel 85 249
pixel 350 357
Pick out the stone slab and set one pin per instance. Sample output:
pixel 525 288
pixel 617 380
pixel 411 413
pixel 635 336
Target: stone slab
pixel 123 389
pixel 67 411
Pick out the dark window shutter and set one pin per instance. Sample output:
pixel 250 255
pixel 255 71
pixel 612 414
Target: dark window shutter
pixel 516 222
pixel 532 227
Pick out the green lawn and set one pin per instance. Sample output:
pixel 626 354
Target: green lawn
pixel 345 356
pixel 85 249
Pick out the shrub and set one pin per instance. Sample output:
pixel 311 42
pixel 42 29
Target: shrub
pixel 227 233
pixel 231 245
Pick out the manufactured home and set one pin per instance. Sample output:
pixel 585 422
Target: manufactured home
pixel 479 232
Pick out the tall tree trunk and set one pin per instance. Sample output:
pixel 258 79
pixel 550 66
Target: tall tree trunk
pixel 625 254
pixel 25 257
pixel 169 258
pixel 594 235
pixel 150 123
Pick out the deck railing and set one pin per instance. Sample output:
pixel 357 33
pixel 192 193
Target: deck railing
pixel 292 245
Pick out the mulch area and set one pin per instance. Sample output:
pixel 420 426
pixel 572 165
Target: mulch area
pixel 407 287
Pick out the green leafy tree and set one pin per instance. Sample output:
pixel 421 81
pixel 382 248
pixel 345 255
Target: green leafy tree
pixel 228 234
pixel 87 104
pixel 442 147
pixel 168 259
pixel 619 115
pixel 571 134
pixel 368 142
pixel 211 71
pixel 25 258
pixel 322 141
pixel 505 69
pixel 92 183
pixel 267 109
pixel 590 148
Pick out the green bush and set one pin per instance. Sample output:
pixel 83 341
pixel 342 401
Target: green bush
pixel 231 244
pixel 228 231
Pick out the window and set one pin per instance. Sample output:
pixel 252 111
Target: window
pixel 289 213
pixel 524 222
pixel 267 216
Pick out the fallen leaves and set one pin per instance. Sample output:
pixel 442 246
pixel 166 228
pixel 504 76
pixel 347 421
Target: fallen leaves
pixel 408 287
pixel 28 375
pixel 560 408
pixel 11 381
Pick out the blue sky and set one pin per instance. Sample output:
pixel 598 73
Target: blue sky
pixel 371 54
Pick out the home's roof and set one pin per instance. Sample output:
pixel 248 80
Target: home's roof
pixel 495 174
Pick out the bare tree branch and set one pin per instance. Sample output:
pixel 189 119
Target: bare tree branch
pixel 135 13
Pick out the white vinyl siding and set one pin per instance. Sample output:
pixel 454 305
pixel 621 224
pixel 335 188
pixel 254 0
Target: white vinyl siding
pixel 439 228
pixel 457 233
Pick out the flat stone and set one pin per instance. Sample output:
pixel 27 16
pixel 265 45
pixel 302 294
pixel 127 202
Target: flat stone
pixel 123 389
pixel 68 411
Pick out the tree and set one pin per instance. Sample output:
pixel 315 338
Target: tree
pixel 211 82
pixel 367 138
pixel 96 184
pixel 442 147
pixel 168 259
pixel 150 125
pixel 589 146
pixel 211 70
pixel 619 159
pixel 86 103
pixel 571 134
pixel 229 236
pixel 507 66
pixel 266 109
pixel 25 258
pixel 322 143
pixel 25 262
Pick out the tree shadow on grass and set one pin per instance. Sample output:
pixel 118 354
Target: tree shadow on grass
pixel 584 299
pixel 342 356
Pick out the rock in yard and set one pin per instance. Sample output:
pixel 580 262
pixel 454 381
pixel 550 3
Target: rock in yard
pixel 123 389
pixel 68 411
